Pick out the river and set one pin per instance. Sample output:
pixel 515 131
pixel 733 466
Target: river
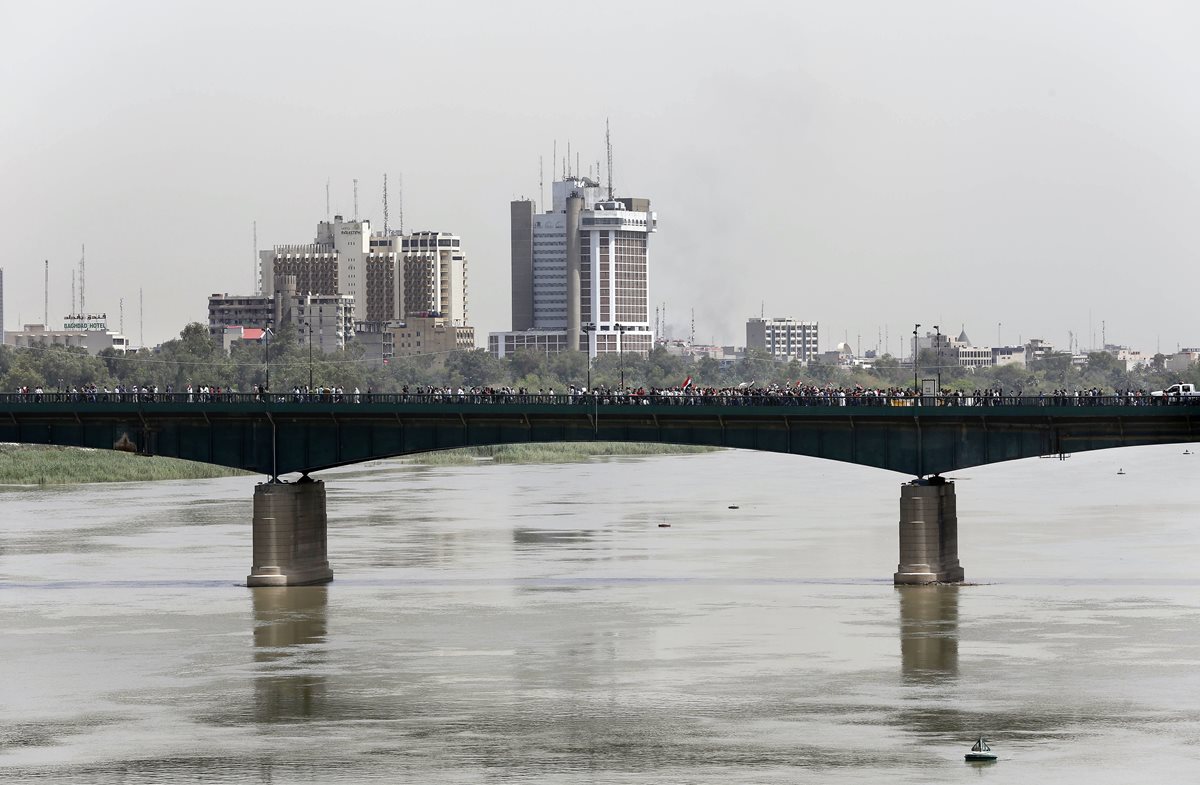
pixel 500 623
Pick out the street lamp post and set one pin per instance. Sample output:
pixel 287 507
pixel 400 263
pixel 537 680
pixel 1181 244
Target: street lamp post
pixel 267 333
pixel 916 389
pixel 938 331
pixel 310 377
pixel 588 330
pixel 621 328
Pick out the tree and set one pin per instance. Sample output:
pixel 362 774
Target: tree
pixel 476 368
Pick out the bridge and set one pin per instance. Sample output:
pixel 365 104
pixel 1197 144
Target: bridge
pixel 285 434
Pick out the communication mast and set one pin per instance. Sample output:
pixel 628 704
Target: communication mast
pixel 401 195
pixel 692 338
pixel 141 319
pixel 385 204
pixel 254 264
pixel 82 256
pixel 356 198
pixel 608 147
pixel 327 213
pixel 46 292
pixel 73 311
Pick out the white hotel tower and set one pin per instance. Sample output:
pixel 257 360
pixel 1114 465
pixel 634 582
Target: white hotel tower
pixel 580 273
pixel 391 276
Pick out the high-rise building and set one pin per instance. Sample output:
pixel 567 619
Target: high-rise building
pixel 783 339
pixel 580 273
pixel 389 275
pixel 435 277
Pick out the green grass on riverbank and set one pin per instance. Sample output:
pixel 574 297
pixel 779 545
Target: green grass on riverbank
pixel 565 452
pixel 28 464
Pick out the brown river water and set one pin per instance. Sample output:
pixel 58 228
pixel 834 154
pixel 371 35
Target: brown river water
pixel 500 623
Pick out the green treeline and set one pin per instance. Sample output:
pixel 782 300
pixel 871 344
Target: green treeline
pixel 196 359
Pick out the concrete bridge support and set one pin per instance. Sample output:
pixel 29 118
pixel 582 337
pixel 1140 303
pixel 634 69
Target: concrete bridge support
pixel 928 533
pixel 289 534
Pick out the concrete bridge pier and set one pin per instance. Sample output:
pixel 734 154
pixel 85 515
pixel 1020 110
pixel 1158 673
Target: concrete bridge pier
pixel 289 534
pixel 928 533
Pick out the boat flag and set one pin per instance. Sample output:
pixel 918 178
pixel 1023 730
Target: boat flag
pixel 686 383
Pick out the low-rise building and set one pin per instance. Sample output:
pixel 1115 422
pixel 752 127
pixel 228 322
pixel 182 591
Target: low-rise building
pixel 325 320
pixel 85 331
pixel 1009 355
pixel 503 344
pixel 783 339
pixel 1182 360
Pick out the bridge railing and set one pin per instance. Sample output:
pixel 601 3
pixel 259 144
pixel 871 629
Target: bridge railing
pixel 611 398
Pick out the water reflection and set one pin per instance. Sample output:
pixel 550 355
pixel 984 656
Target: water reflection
pixel 289 626
pixel 928 632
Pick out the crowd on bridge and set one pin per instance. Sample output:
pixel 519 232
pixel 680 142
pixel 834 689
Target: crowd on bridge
pixel 687 394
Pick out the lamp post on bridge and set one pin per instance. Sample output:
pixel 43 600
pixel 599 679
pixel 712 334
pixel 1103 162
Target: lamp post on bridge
pixel 621 330
pixel 310 375
pixel 267 333
pixel 914 358
pixel 589 330
pixel 938 331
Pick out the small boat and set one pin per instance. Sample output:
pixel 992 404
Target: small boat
pixel 981 752
pixel 1120 471
pixel 1187 452
pixel 664 525
pixel 733 506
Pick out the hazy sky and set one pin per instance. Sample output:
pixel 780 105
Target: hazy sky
pixel 864 164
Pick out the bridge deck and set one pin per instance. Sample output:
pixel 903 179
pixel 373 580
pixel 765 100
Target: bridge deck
pixel 283 435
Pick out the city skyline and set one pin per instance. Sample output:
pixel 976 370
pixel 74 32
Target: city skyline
pixel 990 165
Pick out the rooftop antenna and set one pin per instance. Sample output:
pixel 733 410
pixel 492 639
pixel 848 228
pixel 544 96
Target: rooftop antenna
pixel 73 312
pixel 608 149
pixel 692 339
pixel 567 163
pixel 46 291
pixel 82 256
pixel 385 204
pixel 541 184
pixel 356 198
pixel 141 319
pixel 554 156
pixel 327 213
pixel 122 316
pixel 400 195
pixel 578 168
pixel 254 264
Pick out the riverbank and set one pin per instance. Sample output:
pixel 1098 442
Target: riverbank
pixel 35 464
pixel 565 452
